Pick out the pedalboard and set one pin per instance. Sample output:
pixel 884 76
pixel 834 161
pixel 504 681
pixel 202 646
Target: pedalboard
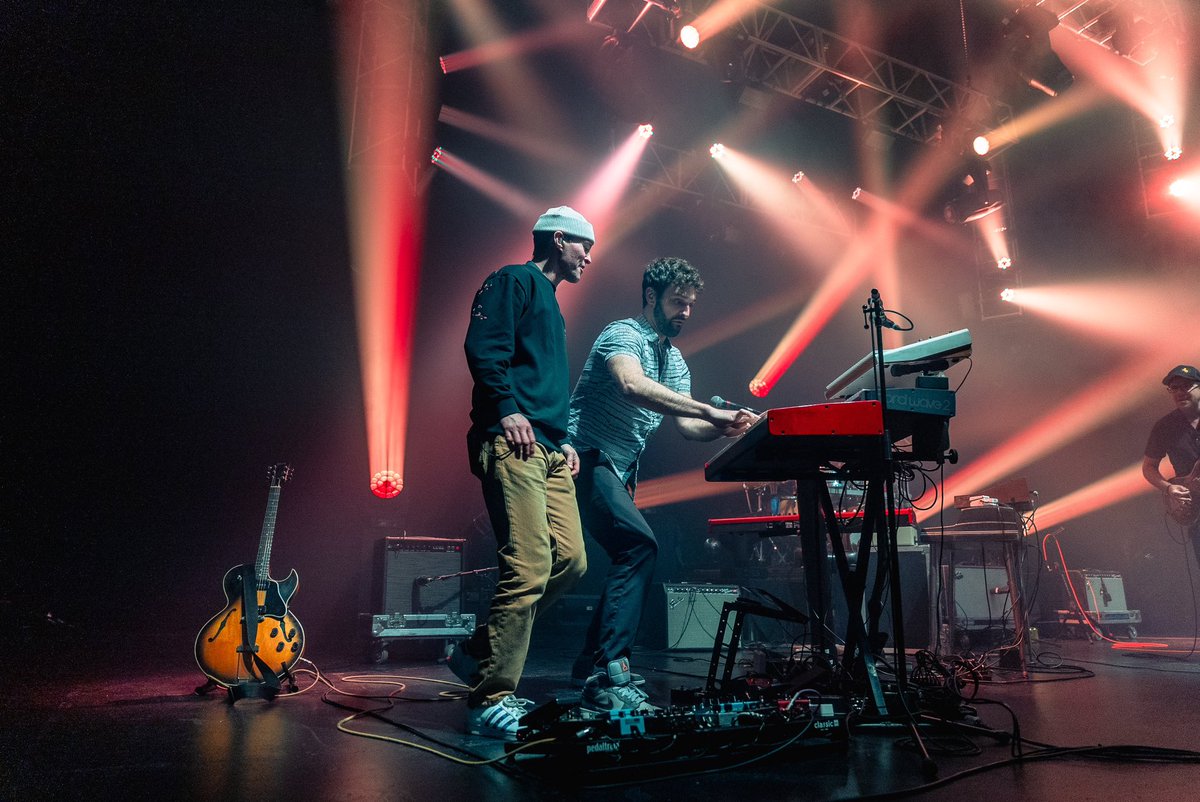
pixel 680 739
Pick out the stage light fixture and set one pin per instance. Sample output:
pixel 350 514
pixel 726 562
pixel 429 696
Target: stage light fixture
pixel 1182 188
pixel 854 195
pixel 1008 294
pixel 1173 153
pixel 1027 32
pixel 623 16
pixel 978 193
pixel 798 177
pixel 386 484
pixel 1004 263
pixel 645 130
pixel 442 64
pixel 436 157
pixel 717 151
pixel 981 145
pixel 1166 121
pixel 689 36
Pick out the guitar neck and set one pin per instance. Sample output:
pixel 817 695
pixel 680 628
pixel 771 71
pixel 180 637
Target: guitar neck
pixel 262 564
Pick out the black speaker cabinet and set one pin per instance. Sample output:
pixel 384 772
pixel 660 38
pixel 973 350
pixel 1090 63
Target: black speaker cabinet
pixel 914 589
pixel 411 566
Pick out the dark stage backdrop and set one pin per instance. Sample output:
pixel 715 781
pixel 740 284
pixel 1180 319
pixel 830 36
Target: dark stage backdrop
pixel 180 312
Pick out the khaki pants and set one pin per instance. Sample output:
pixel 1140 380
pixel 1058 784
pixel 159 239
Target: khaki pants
pixel 540 553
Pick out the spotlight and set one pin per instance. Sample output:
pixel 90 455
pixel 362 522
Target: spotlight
pixel 717 151
pixel 981 145
pixel 1008 294
pixel 798 177
pixel 645 130
pixel 442 64
pixel 854 195
pixel 689 36
pixel 1004 263
pixel 1173 153
pixel 1182 188
pixel 386 484
pixel 436 158
pixel 1166 121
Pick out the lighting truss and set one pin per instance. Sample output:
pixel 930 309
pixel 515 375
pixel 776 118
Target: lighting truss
pixel 1095 20
pixel 990 277
pixel 692 174
pixel 689 173
pixel 1153 168
pixel 786 54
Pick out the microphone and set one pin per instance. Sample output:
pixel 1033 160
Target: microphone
pixel 884 320
pixel 720 403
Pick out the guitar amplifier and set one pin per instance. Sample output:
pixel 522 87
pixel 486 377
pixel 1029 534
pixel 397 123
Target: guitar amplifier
pixel 686 616
pixel 1102 594
pixel 411 569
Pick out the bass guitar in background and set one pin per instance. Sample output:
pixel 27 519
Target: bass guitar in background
pixel 250 645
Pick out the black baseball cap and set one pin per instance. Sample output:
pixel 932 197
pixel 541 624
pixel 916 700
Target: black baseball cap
pixel 1183 372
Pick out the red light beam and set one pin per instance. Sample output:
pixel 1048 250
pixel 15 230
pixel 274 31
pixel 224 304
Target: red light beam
pixel 1112 489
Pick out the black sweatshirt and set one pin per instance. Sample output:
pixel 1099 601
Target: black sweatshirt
pixel 517 352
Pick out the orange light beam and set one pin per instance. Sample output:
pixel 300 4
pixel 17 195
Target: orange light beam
pixel 827 211
pixel 1119 76
pixel 845 276
pixel 723 13
pixel 1045 116
pixel 686 486
pixel 1087 408
pixel 746 318
pixel 905 218
pixel 517 139
pixel 1112 489
pixel 519 44
pixel 521 205
pixel 992 229
pixel 598 199
pixel 774 194
pixel 1131 312
pixel 923 178
pixel 511 81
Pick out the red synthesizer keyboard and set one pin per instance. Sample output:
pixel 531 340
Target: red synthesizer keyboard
pixel 800 442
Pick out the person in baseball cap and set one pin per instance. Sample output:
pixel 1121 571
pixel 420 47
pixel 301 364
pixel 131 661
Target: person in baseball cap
pixel 1187 373
pixel 1176 436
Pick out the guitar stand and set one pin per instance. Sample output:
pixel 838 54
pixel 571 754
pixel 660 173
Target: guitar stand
pixel 267 686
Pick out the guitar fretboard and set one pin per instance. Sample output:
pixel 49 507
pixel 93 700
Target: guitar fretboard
pixel 262 569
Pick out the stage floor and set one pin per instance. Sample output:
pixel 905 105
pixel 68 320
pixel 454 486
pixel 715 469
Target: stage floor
pixel 102 717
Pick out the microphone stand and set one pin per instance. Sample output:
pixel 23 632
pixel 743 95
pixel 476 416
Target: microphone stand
pixel 876 321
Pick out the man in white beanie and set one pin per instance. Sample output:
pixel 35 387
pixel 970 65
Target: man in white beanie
pixel 516 349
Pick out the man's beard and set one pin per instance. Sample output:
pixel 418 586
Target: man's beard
pixel 666 326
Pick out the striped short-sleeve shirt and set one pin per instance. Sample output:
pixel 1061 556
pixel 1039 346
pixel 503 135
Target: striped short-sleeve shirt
pixel 601 417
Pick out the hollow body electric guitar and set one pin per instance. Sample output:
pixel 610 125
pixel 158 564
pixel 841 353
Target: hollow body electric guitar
pixel 1186 513
pixel 259 641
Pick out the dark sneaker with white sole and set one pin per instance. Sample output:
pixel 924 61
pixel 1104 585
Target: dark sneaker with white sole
pixel 612 690
pixel 583 669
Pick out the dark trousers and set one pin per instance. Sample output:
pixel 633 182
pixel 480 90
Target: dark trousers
pixel 611 518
